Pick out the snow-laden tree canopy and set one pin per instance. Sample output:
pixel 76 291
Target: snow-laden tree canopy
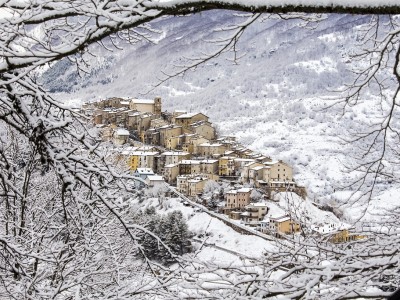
pixel 99 19
pixel 64 230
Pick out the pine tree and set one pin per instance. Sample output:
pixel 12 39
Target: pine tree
pixel 172 231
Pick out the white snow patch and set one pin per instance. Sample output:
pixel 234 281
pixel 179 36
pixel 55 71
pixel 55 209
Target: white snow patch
pixel 326 64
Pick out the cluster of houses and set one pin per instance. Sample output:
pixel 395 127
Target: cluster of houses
pixel 336 233
pixel 271 219
pixel 267 217
pixel 183 149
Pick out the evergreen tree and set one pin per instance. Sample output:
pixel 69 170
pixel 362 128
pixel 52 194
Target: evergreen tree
pixel 172 231
pixel 213 202
pixel 178 234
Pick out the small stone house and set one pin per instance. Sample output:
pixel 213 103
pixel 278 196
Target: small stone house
pixel 191 185
pixel 170 173
pixel 209 166
pixel 120 136
pixel 280 171
pixel 211 149
pixel 155 181
pixel 254 213
pixel 142 159
pixel 142 173
pixel 186 119
pixel 203 128
pixel 238 199
pixel 226 166
pixel 280 225
pixel 147 105
pixel 189 166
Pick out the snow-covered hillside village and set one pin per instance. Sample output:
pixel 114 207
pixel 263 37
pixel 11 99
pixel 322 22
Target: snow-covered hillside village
pixel 219 149
pixel 181 151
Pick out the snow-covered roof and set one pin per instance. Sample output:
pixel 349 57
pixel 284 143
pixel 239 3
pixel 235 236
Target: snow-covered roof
pixel 171 165
pixel 169 126
pixel 261 157
pixel 280 218
pixel 129 148
pixel 209 161
pixel 122 131
pixel 188 115
pixel 128 152
pixel 146 148
pixel 145 171
pixel 270 163
pixel 329 228
pixel 198 179
pixel 143 101
pixel 124 102
pixel 178 153
pixel 195 180
pixel 232 192
pixel 155 178
pixel 244 190
pixel 257 168
pixel 143 153
pixel 189 177
pixel 262 181
pixel 145 115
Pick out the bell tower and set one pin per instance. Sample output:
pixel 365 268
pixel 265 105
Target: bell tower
pixel 157 106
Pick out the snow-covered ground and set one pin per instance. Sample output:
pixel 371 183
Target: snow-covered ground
pixel 214 232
